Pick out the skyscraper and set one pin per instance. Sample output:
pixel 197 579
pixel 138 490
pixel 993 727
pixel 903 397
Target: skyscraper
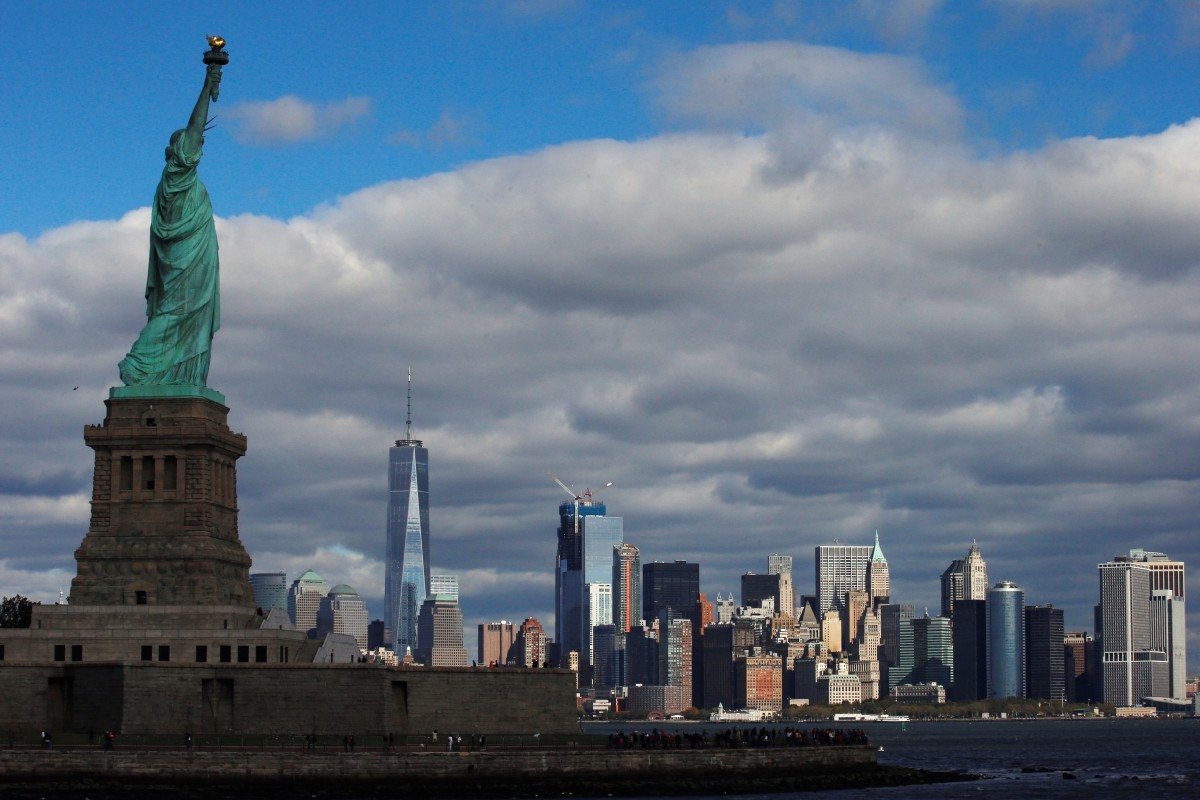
pixel 1131 668
pixel 270 590
pixel 531 644
pixel 440 633
pixel 964 579
pixel 840 568
pixel 1044 675
pixel 879 581
pixel 627 587
pixel 304 600
pixel 1006 640
pixel 969 624
pixel 406 583
pixel 496 641
pixel 674 585
pixel 1168 592
pixel 343 611
pixel 587 538
pixel 782 566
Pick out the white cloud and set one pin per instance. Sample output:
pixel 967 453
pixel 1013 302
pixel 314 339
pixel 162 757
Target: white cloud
pixel 292 119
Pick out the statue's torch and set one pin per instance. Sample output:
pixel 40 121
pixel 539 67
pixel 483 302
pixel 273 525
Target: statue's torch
pixel 219 57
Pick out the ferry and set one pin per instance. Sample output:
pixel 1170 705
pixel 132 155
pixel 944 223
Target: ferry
pixel 856 717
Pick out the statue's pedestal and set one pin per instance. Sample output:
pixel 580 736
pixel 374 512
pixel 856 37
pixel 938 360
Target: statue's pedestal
pixel 164 505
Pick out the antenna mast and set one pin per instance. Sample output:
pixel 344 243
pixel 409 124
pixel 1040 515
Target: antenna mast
pixel 408 440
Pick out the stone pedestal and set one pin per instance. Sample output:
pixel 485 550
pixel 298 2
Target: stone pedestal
pixel 164 507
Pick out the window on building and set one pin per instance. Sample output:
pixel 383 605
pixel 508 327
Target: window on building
pixel 1 652
pixel 226 654
pixel 60 652
pixel 201 653
pixel 126 473
pixel 140 597
pixel 148 473
pixel 260 654
pixel 170 473
pixel 164 652
pixel 243 654
pixel 147 652
pixel 77 652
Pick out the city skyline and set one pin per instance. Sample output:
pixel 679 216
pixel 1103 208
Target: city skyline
pixel 783 275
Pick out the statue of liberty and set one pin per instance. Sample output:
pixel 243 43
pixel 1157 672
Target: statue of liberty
pixel 183 304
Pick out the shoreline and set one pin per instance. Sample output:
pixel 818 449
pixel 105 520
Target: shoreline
pixel 116 775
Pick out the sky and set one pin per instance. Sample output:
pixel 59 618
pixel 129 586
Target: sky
pixel 784 273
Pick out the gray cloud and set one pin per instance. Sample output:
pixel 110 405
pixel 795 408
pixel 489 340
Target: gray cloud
pixel 904 337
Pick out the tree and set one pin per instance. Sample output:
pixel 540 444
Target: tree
pixel 16 612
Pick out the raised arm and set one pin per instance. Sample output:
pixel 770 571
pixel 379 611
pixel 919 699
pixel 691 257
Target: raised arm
pixel 212 79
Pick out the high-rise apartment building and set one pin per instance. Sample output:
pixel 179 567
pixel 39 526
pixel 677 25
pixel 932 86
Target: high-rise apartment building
pixel 782 566
pixel 406 580
pixel 343 611
pixel 1044 675
pixel 1131 668
pixel 964 579
pixel 840 568
pixel 1006 640
pixel 587 538
pixel 758 681
pixel 270 590
pixel 496 641
pixel 304 600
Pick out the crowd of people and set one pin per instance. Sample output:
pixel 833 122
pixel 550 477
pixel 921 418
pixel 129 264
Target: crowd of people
pixel 737 737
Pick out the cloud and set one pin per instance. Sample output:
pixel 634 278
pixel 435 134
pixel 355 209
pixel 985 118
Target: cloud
pixel 806 97
pixel 451 129
pixel 291 119
pixel 905 337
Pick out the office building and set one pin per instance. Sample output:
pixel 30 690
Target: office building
pixel 674 585
pixel 587 538
pixel 840 568
pixel 406 578
pixel 879 581
pixel 892 619
pixel 1078 655
pixel 969 625
pixel 726 608
pixel 926 653
pixel 759 588
pixel 1006 640
pixel 782 566
pixel 1131 668
pixel 440 633
pixel 1044 671
pixel 304 600
pixel 758 681
pixel 1168 589
pixel 675 652
pixel 270 590
pixel 496 642
pixel 964 579
pixel 531 644
pixel 445 585
pixel 343 611
pixel 608 666
pixel 720 645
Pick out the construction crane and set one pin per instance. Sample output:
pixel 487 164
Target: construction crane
pixel 576 497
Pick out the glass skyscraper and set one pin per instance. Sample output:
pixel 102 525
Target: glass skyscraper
pixel 583 578
pixel 406 583
pixel 1006 640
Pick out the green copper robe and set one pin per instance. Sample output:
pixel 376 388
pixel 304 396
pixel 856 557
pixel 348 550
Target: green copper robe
pixel 183 304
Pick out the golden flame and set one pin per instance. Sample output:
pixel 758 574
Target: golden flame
pixel 216 41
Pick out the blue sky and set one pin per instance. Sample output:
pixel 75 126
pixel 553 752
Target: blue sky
pixel 784 272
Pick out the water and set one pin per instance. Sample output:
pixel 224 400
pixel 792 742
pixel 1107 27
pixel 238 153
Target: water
pixel 1018 759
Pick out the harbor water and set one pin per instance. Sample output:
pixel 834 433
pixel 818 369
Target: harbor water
pixel 1068 758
